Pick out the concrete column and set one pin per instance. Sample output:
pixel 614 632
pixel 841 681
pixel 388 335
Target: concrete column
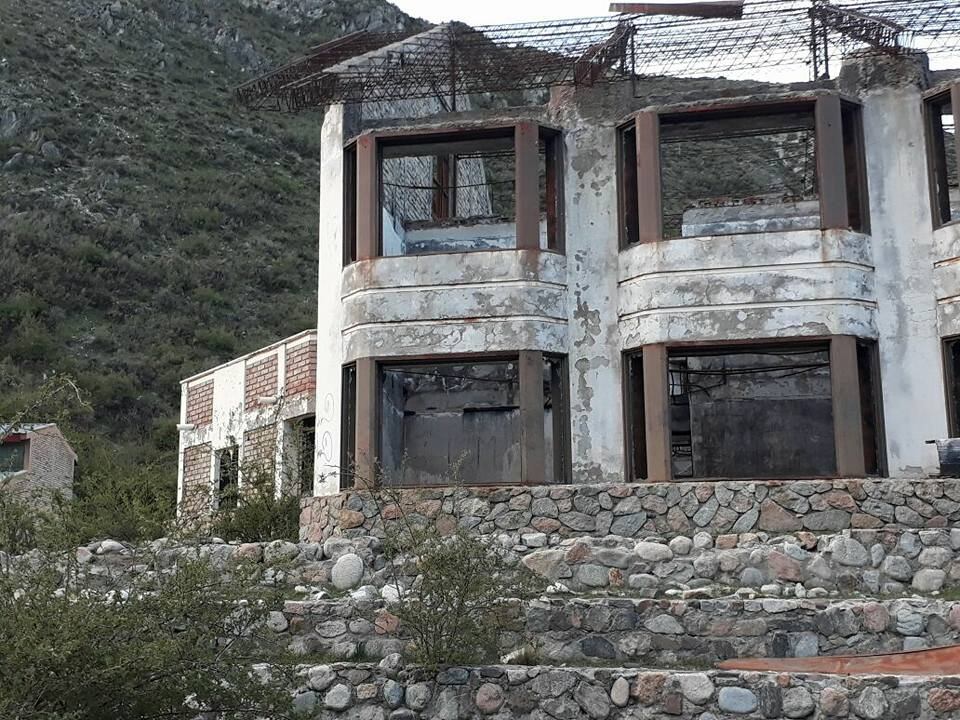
pixel 329 316
pixel 911 364
pixel 656 406
pixel 847 414
pixel 532 439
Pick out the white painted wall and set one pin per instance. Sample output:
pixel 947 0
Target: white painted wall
pixel 947 278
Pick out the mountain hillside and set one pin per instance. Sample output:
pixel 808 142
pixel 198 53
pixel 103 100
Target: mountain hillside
pixel 149 227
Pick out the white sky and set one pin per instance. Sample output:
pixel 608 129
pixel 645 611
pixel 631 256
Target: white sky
pixel 494 12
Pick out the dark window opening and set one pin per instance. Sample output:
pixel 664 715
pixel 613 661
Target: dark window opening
pixel 348 427
pixel 952 353
pixel 349 204
pixel 942 154
pixel 855 166
pixel 636 418
pixel 871 408
pixel 228 477
pixel 457 192
pixel 303 437
pixel 725 173
pixel 13 456
pixel 556 419
pixel 460 422
pixel 751 412
pixel 627 188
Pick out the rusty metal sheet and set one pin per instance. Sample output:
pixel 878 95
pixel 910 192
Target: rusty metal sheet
pixel 932 661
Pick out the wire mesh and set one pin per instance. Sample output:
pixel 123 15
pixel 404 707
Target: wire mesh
pixel 788 38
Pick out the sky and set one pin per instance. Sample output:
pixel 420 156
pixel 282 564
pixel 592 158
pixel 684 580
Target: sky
pixel 494 12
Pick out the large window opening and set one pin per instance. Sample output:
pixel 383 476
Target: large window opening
pixel 952 358
pixel 464 422
pixel 228 477
pixel 751 412
pixel 942 153
pixel 754 170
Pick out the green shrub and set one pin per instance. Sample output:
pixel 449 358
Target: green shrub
pixel 258 514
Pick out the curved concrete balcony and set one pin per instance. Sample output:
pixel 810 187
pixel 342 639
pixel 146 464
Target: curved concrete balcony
pixel 946 278
pixel 801 283
pixel 485 301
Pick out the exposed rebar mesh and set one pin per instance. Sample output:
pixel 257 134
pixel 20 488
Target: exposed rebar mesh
pixel 799 38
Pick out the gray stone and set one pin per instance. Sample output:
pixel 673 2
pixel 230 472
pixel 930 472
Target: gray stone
pixel 826 520
pixel 703 541
pixel 628 525
pixel 392 693
pixel 552 683
pixel 418 696
pixel 280 551
pixel 453 676
pixel 597 646
pixel 696 687
pixel 909 545
pixel 807 644
pixel 870 704
pixel 897 567
pixel 620 692
pixel 593 575
pixel 680 545
pixel 50 152
pixel 110 547
pixel 305 702
pixel 752 577
pixel 738 701
pixel 705 514
pixel 544 507
pixel 928 580
pixel 746 522
pixel 849 552
pixel 594 700
pixel 935 557
pixel 579 521
pixel 664 624
pixel 331 629
pixel 653 552
pixel 347 572
pixel 391 664
pixel 706 565
pixel 320 677
pixel 277 621
pixel 797 702
pixel 338 697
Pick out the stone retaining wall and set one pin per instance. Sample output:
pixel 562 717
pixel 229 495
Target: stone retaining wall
pixel 891 561
pixel 370 692
pixel 642 509
pixel 652 633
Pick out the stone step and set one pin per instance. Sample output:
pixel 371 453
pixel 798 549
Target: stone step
pixel 648 632
pixel 642 509
pixel 544 693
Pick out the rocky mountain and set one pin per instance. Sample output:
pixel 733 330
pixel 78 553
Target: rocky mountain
pixel 149 227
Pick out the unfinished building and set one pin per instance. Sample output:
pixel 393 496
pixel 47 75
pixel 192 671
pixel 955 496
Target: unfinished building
pixel 598 251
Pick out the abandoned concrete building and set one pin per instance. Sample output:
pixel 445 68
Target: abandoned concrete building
pixel 615 270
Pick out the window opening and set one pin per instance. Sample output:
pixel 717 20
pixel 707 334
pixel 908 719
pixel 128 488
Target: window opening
pixel 952 348
pixel 941 144
pixel 13 456
pixel 348 427
pixel 304 450
pixel 228 477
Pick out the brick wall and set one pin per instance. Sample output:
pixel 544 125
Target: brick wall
pixel 50 467
pixel 260 380
pixel 301 371
pixel 200 403
pixel 196 480
pixel 259 455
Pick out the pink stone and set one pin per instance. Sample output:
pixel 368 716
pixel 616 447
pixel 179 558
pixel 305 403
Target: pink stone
pixel 840 500
pixel 943 700
pixel 489 698
pixel 953 617
pixel 704 492
pixel 834 702
pixel 726 542
pixel 386 623
pixel 862 520
pixel 808 541
pixel 616 577
pixel 620 491
pixel 428 508
pixel 784 567
pixel 775 519
pixel 545 525
pixel 937 521
pixel 648 687
pixel 351 519
pixel 446 524
pixel 875 617
pixel 578 553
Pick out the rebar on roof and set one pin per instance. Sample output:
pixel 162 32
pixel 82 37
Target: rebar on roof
pixel 454 59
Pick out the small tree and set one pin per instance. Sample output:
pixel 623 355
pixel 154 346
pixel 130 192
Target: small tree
pixel 466 592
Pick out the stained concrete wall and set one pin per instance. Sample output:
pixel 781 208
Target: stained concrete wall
pixel 911 364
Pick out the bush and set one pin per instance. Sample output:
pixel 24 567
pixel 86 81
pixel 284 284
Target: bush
pixel 259 515
pixel 178 646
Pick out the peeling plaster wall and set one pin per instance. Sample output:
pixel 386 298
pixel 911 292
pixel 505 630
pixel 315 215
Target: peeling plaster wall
pixel 757 286
pixel 597 436
pixel 330 358
pixel 946 277
pixel 485 301
pixel 903 246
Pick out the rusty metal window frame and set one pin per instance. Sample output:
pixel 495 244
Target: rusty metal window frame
pixel 363 239
pixel 951 366
pixel 348 425
pixel 937 153
pixel 635 430
pixel 839 153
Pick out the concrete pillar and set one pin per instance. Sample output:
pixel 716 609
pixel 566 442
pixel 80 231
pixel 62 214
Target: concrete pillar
pixel 329 339
pixel 911 367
